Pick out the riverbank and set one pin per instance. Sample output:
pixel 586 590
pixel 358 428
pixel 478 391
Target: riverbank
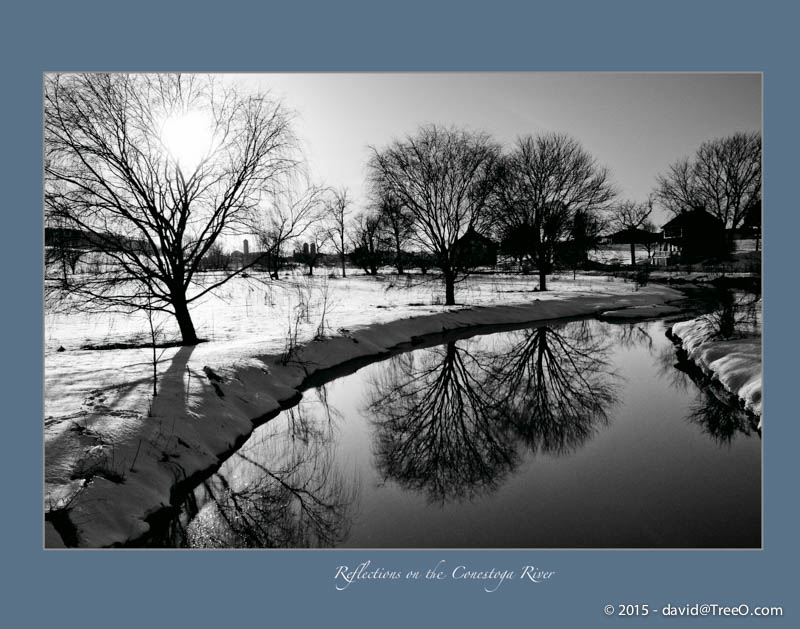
pixel 735 362
pixel 117 457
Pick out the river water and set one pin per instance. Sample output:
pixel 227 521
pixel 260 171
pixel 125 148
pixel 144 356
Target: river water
pixel 579 434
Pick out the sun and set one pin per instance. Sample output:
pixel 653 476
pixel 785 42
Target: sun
pixel 187 138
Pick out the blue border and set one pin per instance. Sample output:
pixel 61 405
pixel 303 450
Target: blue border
pixel 217 589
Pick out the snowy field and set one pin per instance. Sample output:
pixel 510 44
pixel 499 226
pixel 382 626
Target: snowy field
pixel 114 451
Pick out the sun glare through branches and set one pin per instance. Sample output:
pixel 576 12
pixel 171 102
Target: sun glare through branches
pixel 187 138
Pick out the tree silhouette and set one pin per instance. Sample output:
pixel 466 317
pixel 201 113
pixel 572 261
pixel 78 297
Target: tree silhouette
pixel 152 170
pixel 632 220
pixel 540 186
pixel 444 178
pixel 396 225
pixel 723 178
pixel 290 216
pixel 338 214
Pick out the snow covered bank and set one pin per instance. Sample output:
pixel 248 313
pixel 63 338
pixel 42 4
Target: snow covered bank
pixel 636 313
pixel 115 455
pixel 735 363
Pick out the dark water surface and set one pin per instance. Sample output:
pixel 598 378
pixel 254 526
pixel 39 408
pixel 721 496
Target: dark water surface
pixel 570 435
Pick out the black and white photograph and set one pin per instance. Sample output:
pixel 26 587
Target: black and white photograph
pixel 402 310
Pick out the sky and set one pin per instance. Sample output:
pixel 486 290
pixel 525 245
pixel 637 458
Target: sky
pixel 636 124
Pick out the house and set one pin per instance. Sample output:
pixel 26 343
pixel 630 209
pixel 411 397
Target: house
pixel 474 249
pixel 634 236
pixel 690 237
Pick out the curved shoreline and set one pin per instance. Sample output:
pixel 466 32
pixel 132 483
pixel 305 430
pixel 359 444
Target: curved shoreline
pixel 735 364
pixel 222 410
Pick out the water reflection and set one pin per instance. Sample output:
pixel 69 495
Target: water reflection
pixel 718 417
pixel 438 426
pixel 279 491
pixel 731 314
pixel 450 421
pixel 555 386
pixel 734 314
pixel 633 336
pixel 464 434
pixel 716 412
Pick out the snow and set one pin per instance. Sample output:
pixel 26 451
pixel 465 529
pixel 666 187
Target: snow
pixel 648 311
pixel 114 453
pixel 735 363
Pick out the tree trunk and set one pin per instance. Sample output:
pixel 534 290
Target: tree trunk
pixel 344 273
pixel 398 260
pixel 449 289
pixel 542 278
pixel 188 334
pixel 633 254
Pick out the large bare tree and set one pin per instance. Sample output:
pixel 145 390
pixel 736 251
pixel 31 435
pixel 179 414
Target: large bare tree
pixel 153 170
pixel 444 177
pixel 543 183
pixel 723 178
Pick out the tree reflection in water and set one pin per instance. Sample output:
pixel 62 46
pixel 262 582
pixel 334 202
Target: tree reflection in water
pixel 555 386
pixel 714 411
pixel 632 336
pixel 732 314
pixel 438 426
pixel 450 421
pixel 280 491
pixel 718 416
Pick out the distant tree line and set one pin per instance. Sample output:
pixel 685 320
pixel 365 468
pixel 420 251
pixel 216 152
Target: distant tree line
pixel 546 190
pixel 436 196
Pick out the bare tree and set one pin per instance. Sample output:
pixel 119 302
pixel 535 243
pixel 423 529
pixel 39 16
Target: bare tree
pixel 154 169
pixel 338 214
pixel 288 217
pixel 723 178
pixel 365 235
pixel 542 184
pixel 396 226
pixel 631 217
pixel 677 191
pixel 650 242
pixel 443 176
